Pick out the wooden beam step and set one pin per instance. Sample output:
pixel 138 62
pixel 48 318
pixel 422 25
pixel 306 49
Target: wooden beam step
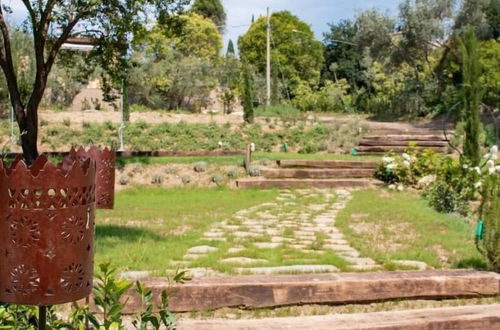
pixel 260 291
pixel 382 149
pixel 457 318
pixel 327 164
pixel 402 143
pixel 263 183
pixel 405 137
pixel 317 173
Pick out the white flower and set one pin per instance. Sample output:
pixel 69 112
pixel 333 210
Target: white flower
pixel 401 187
pixel 490 164
pixel 252 147
pixel 497 168
pixel 465 166
pixel 220 144
pixel 387 160
pixel 492 170
pixel 494 150
pixel 392 166
pixel 406 163
pixel 494 157
pixel 406 157
pixel 487 156
pixel 392 187
pixel 477 169
pixel 478 185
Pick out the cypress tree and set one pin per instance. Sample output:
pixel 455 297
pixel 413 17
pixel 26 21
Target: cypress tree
pixel 213 10
pixel 471 95
pixel 248 115
pixel 230 49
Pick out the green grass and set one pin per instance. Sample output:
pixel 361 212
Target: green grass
pixel 151 227
pixel 237 160
pixel 401 226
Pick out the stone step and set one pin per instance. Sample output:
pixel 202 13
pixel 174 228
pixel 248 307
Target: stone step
pixel 402 143
pixel 317 173
pixel 458 318
pixel 327 164
pixel 384 149
pixel 305 183
pixel 261 291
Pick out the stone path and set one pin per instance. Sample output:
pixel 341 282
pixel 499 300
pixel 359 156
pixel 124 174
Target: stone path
pixel 302 220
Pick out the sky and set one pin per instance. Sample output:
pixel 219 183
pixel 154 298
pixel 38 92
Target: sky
pixel 316 13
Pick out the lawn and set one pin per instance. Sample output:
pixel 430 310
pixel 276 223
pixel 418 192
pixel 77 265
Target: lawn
pixel 150 227
pixel 401 226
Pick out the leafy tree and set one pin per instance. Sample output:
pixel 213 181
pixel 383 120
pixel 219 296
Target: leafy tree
pixel 375 32
pixel 213 10
pixel 248 114
pixel 492 12
pixel 51 23
pixel 471 96
pixel 298 54
pixel 343 57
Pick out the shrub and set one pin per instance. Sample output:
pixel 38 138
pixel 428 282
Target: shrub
pixel 217 178
pixel 171 170
pixel 66 122
pixel 186 179
pixel 200 167
pixel 233 173
pixel 137 168
pixel 124 180
pixel 488 242
pixel 157 179
pixel 443 198
pixel 254 170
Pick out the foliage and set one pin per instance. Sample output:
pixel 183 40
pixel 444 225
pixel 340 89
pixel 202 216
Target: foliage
pixel 489 243
pixel 471 96
pixel 489 57
pixel 213 10
pixel 445 199
pixel 333 97
pixel 248 113
pixel 200 167
pixel 298 54
pixel 107 293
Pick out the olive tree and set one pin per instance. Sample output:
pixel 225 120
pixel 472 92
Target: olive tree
pixel 51 23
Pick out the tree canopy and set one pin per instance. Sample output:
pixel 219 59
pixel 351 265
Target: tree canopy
pixel 294 49
pixel 213 10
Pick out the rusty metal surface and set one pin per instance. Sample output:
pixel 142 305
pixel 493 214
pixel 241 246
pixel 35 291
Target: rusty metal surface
pixel 47 224
pixel 105 174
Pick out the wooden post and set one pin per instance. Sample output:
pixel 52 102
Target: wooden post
pixel 42 317
pixel 248 158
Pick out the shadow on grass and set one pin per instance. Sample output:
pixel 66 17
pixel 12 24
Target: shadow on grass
pixel 474 263
pixel 122 233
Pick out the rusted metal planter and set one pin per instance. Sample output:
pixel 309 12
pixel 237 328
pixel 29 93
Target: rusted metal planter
pixel 105 160
pixel 46 231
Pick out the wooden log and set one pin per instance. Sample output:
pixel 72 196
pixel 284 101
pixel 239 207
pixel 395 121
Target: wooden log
pixel 457 318
pixel 317 173
pixel 406 137
pixel 327 164
pixel 402 143
pixel 343 288
pixel 303 183
pixel 382 149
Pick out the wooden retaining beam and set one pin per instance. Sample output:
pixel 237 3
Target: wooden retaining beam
pixel 343 288
pixel 327 164
pixel 263 183
pixel 317 173
pixel 475 317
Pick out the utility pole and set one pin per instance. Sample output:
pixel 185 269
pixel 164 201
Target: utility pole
pixel 268 57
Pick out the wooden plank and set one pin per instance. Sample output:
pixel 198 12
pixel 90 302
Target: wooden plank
pixel 407 137
pixel 342 288
pixel 394 148
pixel 327 164
pixel 386 142
pixel 317 173
pixel 457 318
pixel 303 183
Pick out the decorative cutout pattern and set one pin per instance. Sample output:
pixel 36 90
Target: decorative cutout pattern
pixel 73 229
pixel 73 277
pixel 25 280
pixel 24 232
pixel 39 199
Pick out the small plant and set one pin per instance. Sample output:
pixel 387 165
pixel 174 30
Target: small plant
pixel 254 170
pixel 44 122
pixel 186 179
pixel 265 162
pixel 67 122
pixel 124 180
pixel 200 167
pixel 233 173
pixel 488 235
pixel 157 179
pixel 171 170
pixel 137 168
pixel 217 178
pixel 443 198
